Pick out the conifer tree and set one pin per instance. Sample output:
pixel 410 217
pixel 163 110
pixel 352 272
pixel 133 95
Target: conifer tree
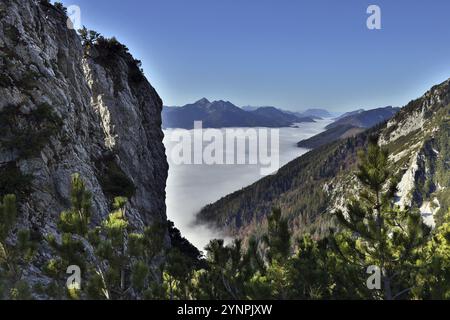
pixel 310 270
pixel 224 275
pixel 76 220
pixel 378 232
pixel 14 254
pixel 278 237
pixel 113 248
pixel 177 275
pixel 433 280
pixel 272 277
pixel 88 37
pixel 253 259
pixel 117 262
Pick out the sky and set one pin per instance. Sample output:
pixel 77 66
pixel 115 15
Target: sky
pixel 292 54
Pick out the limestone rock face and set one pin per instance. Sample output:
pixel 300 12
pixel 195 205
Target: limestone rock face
pixel 109 127
pixel 417 113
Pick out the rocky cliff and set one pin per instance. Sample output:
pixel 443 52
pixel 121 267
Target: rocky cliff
pixel 66 108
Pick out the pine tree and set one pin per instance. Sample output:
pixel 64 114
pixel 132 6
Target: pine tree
pixel 278 237
pixel 14 254
pixel 117 262
pixel 114 248
pixel 177 275
pixel 433 280
pixel 88 37
pixel 8 216
pixel 253 260
pixel 379 232
pixel 76 220
pixel 224 276
pixel 309 270
pixel 269 271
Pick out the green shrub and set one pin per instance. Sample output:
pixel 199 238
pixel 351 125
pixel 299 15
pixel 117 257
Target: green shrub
pixel 115 182
pixel 12 33
pixel 28 81
pixel 60 7
pixel 28 133
pixel 13 181
pixel 53 268
pixel 21 291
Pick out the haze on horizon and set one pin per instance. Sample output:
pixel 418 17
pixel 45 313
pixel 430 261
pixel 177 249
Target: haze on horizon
pixel 290 54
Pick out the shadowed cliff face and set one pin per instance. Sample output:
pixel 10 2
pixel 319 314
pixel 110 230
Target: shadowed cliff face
pixel 76 111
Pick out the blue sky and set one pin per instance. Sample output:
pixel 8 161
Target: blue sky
pixel 292 54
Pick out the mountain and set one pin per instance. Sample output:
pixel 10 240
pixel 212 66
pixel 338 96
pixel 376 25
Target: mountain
pixel 337 133
pixel 223 114
pixel 365 119
pixel 309 113
pixel 66 108
pixel 316 113
pixel 351 113
pixel 349 125
pixel 274 114
pixel 250 108
pixel 311 187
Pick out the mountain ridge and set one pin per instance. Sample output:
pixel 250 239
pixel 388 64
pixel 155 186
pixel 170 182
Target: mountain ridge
pixel 348 125
pixel 309 188
pixel 366 119
pixel 222 114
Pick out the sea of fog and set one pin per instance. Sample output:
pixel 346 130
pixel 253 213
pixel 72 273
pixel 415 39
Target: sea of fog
pixel 191 187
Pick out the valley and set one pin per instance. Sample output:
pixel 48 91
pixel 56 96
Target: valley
pixel 109 193
pixel 190 187
pixel 310 188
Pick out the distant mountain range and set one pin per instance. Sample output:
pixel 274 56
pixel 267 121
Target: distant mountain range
pixel 314 113
pixel 365 119
pixel 349 125
pixel 224 114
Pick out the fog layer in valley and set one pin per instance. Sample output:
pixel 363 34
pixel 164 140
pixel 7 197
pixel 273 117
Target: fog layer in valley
pixel 191 187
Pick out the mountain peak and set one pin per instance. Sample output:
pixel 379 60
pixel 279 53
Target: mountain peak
pixel 203 101
pixel 316 113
